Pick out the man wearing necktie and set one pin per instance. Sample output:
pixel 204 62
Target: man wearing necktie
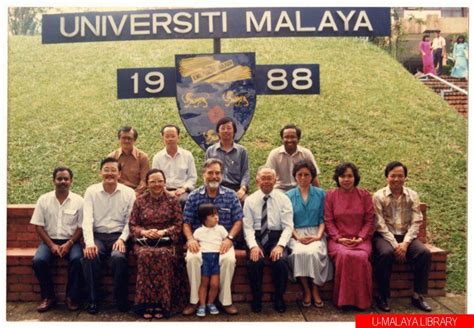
pixel 268 224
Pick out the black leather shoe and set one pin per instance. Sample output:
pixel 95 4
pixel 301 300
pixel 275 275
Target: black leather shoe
pixel 256 306
pixel 93 308
pixel 382 304
pixel 280 306
pixel 421 304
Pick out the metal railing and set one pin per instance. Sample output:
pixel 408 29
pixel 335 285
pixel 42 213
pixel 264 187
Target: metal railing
pixel 449 84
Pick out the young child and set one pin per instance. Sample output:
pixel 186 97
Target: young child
pixel 210 236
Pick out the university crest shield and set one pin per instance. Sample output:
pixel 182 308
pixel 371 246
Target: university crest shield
pixel 212 86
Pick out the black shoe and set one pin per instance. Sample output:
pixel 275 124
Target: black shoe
pixel 93 308
pixel 256 306
pixel 382 304
pixel 421 304
pixel 280 306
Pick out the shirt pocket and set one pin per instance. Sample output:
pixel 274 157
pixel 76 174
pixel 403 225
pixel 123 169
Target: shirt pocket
pixel 70 216
pixel 182 170
pixel 122 215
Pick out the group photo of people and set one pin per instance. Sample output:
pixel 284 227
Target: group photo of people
pixel 184 236
pixel 434 55
pixel 198 163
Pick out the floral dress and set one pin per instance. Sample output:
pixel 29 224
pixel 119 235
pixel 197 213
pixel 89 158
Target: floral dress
pixel 161 276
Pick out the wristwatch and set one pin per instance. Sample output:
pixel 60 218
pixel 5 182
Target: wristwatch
pixel 230 237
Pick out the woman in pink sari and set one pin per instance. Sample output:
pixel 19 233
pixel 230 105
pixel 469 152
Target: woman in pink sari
pixel 427 55
pixel 350 222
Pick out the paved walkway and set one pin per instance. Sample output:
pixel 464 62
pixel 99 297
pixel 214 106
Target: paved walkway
pixel 25 311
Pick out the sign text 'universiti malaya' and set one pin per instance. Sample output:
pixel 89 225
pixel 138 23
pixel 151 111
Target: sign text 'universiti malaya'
pixel 215 23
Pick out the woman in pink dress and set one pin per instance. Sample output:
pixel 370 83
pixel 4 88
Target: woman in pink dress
pixel 350 222
pixel 426 55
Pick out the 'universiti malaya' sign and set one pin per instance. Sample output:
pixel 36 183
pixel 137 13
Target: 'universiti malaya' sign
pixel 208 87
pixel 215 23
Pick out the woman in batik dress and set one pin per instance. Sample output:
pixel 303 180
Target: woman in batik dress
pixel 161 288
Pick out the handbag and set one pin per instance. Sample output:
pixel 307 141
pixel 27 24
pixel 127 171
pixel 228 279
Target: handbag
pixel 147 242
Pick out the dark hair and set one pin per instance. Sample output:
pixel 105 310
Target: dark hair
pixel 127 129
pixel 60 169
pixel 425 36
pixel 341 168
pixel 226 120
pixel 305 164
pixel 110 160
pixel 153 171
pixel 211 161
pixel 204 210
pixel 459 38
pixel 390 166
pixel 291 126
pixel 170 126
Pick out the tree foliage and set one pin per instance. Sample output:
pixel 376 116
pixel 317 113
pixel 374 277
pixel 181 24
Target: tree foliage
pixel 24 20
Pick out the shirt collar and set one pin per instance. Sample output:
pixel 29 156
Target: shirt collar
pixel 65 200
pixel 177 153
pixel 118 188
pixel 388 191
pixel 203 190
pixel 219 146
pixel 282 150
pixel 134 152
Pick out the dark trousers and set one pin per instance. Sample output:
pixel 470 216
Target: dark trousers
pixel 438 60
pixel 42 267
pixel 118 264
pixel 417 255
pixel 279 269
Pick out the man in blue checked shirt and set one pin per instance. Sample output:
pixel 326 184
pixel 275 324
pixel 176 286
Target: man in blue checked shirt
pixel 230 216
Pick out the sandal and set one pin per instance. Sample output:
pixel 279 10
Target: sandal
pixel 306 305
pixel 157 313
pixel 148 315
pixel 319 304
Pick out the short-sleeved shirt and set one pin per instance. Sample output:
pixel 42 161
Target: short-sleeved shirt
pixel 134 168
pixel 180 170
pixel 107 213
pixel 236 163
pixel 59 220
pixel 210 239
pixel 283 163
pixel 438 43
pixel 226 202
pixel 309 213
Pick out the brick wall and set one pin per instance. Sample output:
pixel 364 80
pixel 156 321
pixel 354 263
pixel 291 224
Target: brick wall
pixel 23 286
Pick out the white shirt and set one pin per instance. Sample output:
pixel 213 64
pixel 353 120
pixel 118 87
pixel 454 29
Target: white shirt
pixel 279 216
pixel 59 220
pixel 180 170
pixel 106 213
pixel 438 43
pixel 210 239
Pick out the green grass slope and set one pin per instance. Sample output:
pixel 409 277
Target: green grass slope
pixel 63 110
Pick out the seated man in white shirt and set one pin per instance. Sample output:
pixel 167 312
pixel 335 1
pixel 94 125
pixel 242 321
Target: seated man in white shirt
pixel 268 226
pixel 58 218
pixel 177 163
pixel 107 206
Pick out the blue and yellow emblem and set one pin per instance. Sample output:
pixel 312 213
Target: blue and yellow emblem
pixel 211 86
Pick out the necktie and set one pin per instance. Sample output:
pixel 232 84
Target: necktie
pixel 264 223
